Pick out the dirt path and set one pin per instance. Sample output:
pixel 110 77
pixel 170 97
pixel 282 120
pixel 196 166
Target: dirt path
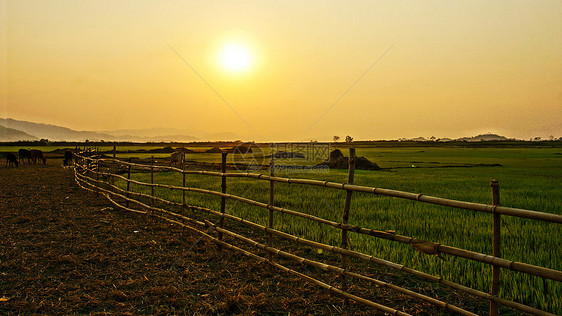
pixel 65 251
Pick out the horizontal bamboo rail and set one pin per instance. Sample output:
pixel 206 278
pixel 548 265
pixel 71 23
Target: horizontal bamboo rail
pixel 437 248
pixel 548 217
pixel 434 247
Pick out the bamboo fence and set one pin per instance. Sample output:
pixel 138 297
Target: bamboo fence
pixel 98 175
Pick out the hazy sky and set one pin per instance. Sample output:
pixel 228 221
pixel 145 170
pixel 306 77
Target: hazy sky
pixel 441 68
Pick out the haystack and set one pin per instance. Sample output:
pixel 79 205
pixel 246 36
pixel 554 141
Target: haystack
pixel 214 150
pixel 337 160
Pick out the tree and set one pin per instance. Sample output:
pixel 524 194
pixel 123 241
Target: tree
pixel 336 138
pixel 348 139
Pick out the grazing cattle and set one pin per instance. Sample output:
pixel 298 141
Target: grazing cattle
pixel 37 154
pixel 24 153
pixel 177 156
pixel 67 158
pixel 12 160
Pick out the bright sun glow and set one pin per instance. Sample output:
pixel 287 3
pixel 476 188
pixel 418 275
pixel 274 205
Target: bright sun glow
pixel 235 57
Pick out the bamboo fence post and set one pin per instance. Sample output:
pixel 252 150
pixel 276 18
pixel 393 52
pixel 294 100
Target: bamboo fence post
pixel 128 178
pixel 345 217
pixel 152 180
pixel 496 251
pixel 183 162
pixel 183 191
pixel 271 200
pixel 223 190
pixel 113 170
pixel 97 166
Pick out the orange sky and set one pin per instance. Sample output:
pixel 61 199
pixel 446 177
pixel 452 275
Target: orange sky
pixel 454 68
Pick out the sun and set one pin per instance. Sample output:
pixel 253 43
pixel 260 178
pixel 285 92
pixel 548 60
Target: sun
pixel 236 58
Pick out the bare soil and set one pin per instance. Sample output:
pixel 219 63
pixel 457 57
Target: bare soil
pixel 64 250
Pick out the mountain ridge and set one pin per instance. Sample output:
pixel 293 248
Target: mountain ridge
pixel 16 130
pixel 33 131
pixel 11 135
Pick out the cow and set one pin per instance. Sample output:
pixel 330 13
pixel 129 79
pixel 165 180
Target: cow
pixel 177 156
pixel 67 158
pixel 24 153
pixel 11 160
pixel 37 154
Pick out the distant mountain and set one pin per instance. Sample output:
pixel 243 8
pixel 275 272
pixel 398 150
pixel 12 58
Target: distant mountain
pixel 34 131
pixel 419 139
pixel 483 138
pixel 478 138
pixel 14 130
pixel 52 132
pixel 13 135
